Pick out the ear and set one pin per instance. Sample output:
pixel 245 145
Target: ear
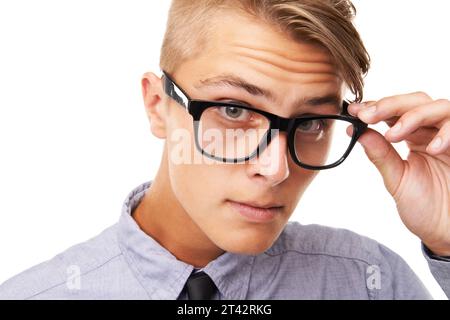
pixel 153 94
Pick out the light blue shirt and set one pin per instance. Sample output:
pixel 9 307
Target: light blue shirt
pixel 306 262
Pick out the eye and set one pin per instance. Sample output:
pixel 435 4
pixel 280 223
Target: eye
pixel 311 126
pixel 235 113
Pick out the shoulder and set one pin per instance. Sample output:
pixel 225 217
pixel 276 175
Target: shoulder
pixel 77 260
pixel 321 240
pixel 322 245
pixel 345 252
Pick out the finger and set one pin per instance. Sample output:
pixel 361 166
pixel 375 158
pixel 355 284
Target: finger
pixel 392 106
pixel 423 136
pixel 385 158
pixel 391 121
pixel 441 143
pixel 418 136
pixel 354 108
pixel 434 114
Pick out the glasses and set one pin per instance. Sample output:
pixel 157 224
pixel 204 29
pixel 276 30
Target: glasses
pixel 235 133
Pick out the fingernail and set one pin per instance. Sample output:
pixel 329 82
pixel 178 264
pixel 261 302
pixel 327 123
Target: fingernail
pixel 396 128
pixel 369 111
pixel 437 143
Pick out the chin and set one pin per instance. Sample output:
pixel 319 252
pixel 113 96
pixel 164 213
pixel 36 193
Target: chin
pixel 250 246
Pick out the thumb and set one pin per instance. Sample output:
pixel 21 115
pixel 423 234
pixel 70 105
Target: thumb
pixel 385 158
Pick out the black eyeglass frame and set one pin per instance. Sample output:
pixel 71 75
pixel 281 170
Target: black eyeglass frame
pixel 289 125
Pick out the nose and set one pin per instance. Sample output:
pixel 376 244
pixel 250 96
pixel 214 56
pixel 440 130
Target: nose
pixel 271 166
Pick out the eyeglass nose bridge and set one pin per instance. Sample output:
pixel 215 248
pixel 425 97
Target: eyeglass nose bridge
pixel 282 125
pixel 277 126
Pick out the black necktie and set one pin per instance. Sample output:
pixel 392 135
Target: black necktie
pixel 200 286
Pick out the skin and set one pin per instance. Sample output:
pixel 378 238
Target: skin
pixel 187 211
pixel 420 185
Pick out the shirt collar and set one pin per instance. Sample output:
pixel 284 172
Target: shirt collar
pixel 161 274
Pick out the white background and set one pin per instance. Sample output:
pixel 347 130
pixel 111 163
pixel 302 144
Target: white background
pixel 74 138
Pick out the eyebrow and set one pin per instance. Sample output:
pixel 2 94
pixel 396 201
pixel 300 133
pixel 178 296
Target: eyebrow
pixel 230 80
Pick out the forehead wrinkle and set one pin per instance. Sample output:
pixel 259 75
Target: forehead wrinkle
pixel 303 72
pixel 306 62
pixel 289 76
pixel 305 52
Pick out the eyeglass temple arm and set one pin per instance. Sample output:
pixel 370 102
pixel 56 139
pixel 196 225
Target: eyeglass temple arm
pixel 173 91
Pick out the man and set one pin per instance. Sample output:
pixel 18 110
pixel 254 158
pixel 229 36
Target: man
pixel 251 108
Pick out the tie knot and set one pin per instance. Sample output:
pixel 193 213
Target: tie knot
pixel 200 286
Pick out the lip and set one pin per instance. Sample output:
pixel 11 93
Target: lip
pixel 256 213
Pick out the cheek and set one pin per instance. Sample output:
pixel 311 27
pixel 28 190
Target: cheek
pixel 197 182
pixel 305 176
pixel 200 190
pixel 178 117
pixel 189 171
pixel 298 181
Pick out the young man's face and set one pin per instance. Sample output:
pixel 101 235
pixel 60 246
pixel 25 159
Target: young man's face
pixel 292 72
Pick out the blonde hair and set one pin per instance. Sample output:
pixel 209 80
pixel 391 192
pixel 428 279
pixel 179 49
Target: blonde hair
pixel 327 23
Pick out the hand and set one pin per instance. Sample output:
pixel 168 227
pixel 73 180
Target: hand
pixel 420 185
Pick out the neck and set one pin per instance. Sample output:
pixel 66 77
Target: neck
pixel 161 216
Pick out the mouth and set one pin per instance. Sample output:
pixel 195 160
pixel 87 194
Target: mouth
pixel 256 212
